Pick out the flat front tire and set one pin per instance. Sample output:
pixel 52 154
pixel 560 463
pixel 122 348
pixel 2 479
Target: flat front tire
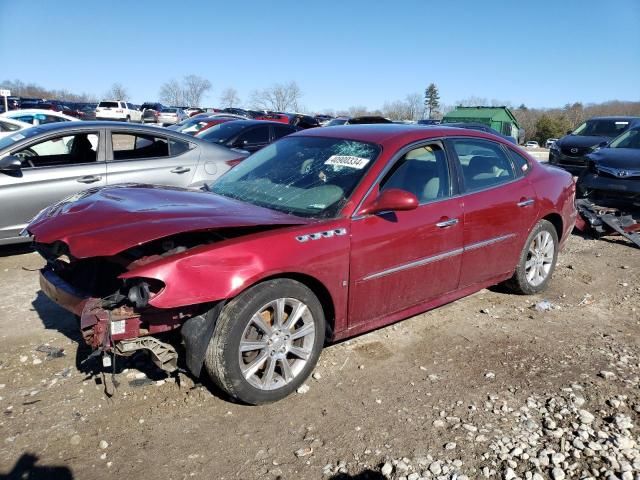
pixel 537 260
pixel 266 341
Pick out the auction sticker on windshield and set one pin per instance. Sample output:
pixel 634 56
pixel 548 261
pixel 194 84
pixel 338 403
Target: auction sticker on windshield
pixel 347 161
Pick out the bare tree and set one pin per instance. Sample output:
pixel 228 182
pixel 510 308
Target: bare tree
pixel 194 88
pixel 415 109
pixel 358 111
pixel 472 101
pixel 117 92
pixel 397 110
pixel 229 98
pixel 171 93
pixel 279 97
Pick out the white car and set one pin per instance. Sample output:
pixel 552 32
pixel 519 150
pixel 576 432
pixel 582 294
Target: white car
pixel 550 142
pixel 118 110
pixel 171 116
pixel 9 126
pixel 531 144
pixel 38 116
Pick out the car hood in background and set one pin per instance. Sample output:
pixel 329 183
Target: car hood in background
pixel 105 221
pixel 580 141
pixel 622 158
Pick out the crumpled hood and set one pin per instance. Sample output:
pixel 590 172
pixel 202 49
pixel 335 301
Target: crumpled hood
pixel 105 221
pixel 623 158
pixel 580 141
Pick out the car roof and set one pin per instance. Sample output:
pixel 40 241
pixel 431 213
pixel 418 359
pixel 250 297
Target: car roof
pixel 92 124
pixel 615 117
pixel 389 132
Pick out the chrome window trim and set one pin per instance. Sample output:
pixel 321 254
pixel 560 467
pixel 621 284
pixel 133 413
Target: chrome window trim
pixel 435 258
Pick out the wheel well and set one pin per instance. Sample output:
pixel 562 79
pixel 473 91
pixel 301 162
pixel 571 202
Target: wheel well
pixel 556 221
pixel 320 291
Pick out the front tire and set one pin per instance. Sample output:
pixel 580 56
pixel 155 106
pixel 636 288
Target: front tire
pixel 266 341
pixel 537 260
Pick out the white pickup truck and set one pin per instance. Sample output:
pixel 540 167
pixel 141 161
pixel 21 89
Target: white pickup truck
pixel 118 110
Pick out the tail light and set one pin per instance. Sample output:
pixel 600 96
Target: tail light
pixel 234 162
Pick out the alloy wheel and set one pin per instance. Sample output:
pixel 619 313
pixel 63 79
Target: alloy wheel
pixel 277 343
pixel 540 258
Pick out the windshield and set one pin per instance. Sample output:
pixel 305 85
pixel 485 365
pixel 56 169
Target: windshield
pixel 629 139
pixel 169 110
pixel 305 176
pixel 223 132
pixel 601 128
pixel 16 137
pixel 108 105
pixel 337 121
pixel 192 126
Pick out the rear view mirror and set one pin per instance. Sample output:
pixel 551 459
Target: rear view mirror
pixel 391 200
pixel 10 163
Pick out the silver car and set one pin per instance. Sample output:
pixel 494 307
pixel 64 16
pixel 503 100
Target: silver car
pixel 44 164
pixel 171 116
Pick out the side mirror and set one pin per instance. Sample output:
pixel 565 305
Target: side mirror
pixel 603 144
pixel 391 200
pixel 10 163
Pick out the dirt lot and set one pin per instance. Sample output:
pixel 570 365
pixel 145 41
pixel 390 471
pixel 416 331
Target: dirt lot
pixel 441 395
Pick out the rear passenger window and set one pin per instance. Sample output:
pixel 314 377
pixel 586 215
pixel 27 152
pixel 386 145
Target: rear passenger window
pixel 483 163
pixel 520 162
pixel 422 171
pixel 255 136
pixel 177 147
pixel 281 131
pixel 128 146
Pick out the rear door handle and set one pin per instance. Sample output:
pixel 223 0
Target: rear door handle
pixel 447 223
pixel 89 179
pixel 526 203
pixel 180 170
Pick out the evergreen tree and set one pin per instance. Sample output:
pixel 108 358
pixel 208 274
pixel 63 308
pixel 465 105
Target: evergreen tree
pixel 431 99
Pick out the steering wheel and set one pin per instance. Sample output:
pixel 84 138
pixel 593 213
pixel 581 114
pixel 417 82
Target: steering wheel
pixel 26 155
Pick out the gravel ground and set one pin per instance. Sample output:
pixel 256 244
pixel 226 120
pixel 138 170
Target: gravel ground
pixel 488 386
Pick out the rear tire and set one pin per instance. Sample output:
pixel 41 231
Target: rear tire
pixel 537 260
pixel 257 355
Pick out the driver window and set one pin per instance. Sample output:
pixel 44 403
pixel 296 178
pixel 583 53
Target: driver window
pixel 65 150
pixel 255 136
pixel 422 171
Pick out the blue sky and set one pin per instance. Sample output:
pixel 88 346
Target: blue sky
pixel 341 53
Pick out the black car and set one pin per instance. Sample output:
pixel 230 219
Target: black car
pixel 150 111
pixel 429 121
pixel 571 150
pixel 479 126
pixel 366 119
pixel 247 135
pixel 613 171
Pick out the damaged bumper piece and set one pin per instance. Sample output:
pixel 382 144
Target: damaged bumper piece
pixel 601 221
pixel 114 325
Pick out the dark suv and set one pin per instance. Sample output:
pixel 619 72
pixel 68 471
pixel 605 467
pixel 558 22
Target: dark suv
pixel 570 151
pixel 150 112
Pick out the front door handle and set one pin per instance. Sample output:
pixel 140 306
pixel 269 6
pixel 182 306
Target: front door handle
pixel 526 203
pixel 447 223
pixel 89 179
pixel 180 170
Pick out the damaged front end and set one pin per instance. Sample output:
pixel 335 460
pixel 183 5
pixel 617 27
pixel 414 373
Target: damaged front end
pixel 115 313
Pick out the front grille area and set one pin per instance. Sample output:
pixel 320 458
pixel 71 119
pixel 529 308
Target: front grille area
pixel 575 151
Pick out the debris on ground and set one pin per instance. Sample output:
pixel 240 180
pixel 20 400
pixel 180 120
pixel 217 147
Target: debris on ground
pixel 52 352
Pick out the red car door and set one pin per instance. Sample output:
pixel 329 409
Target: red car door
pixel 499 209
pixel 405 258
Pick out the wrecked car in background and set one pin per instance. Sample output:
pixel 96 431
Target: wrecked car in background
pixel 610 188
pixel 322 235
pixel 571 150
